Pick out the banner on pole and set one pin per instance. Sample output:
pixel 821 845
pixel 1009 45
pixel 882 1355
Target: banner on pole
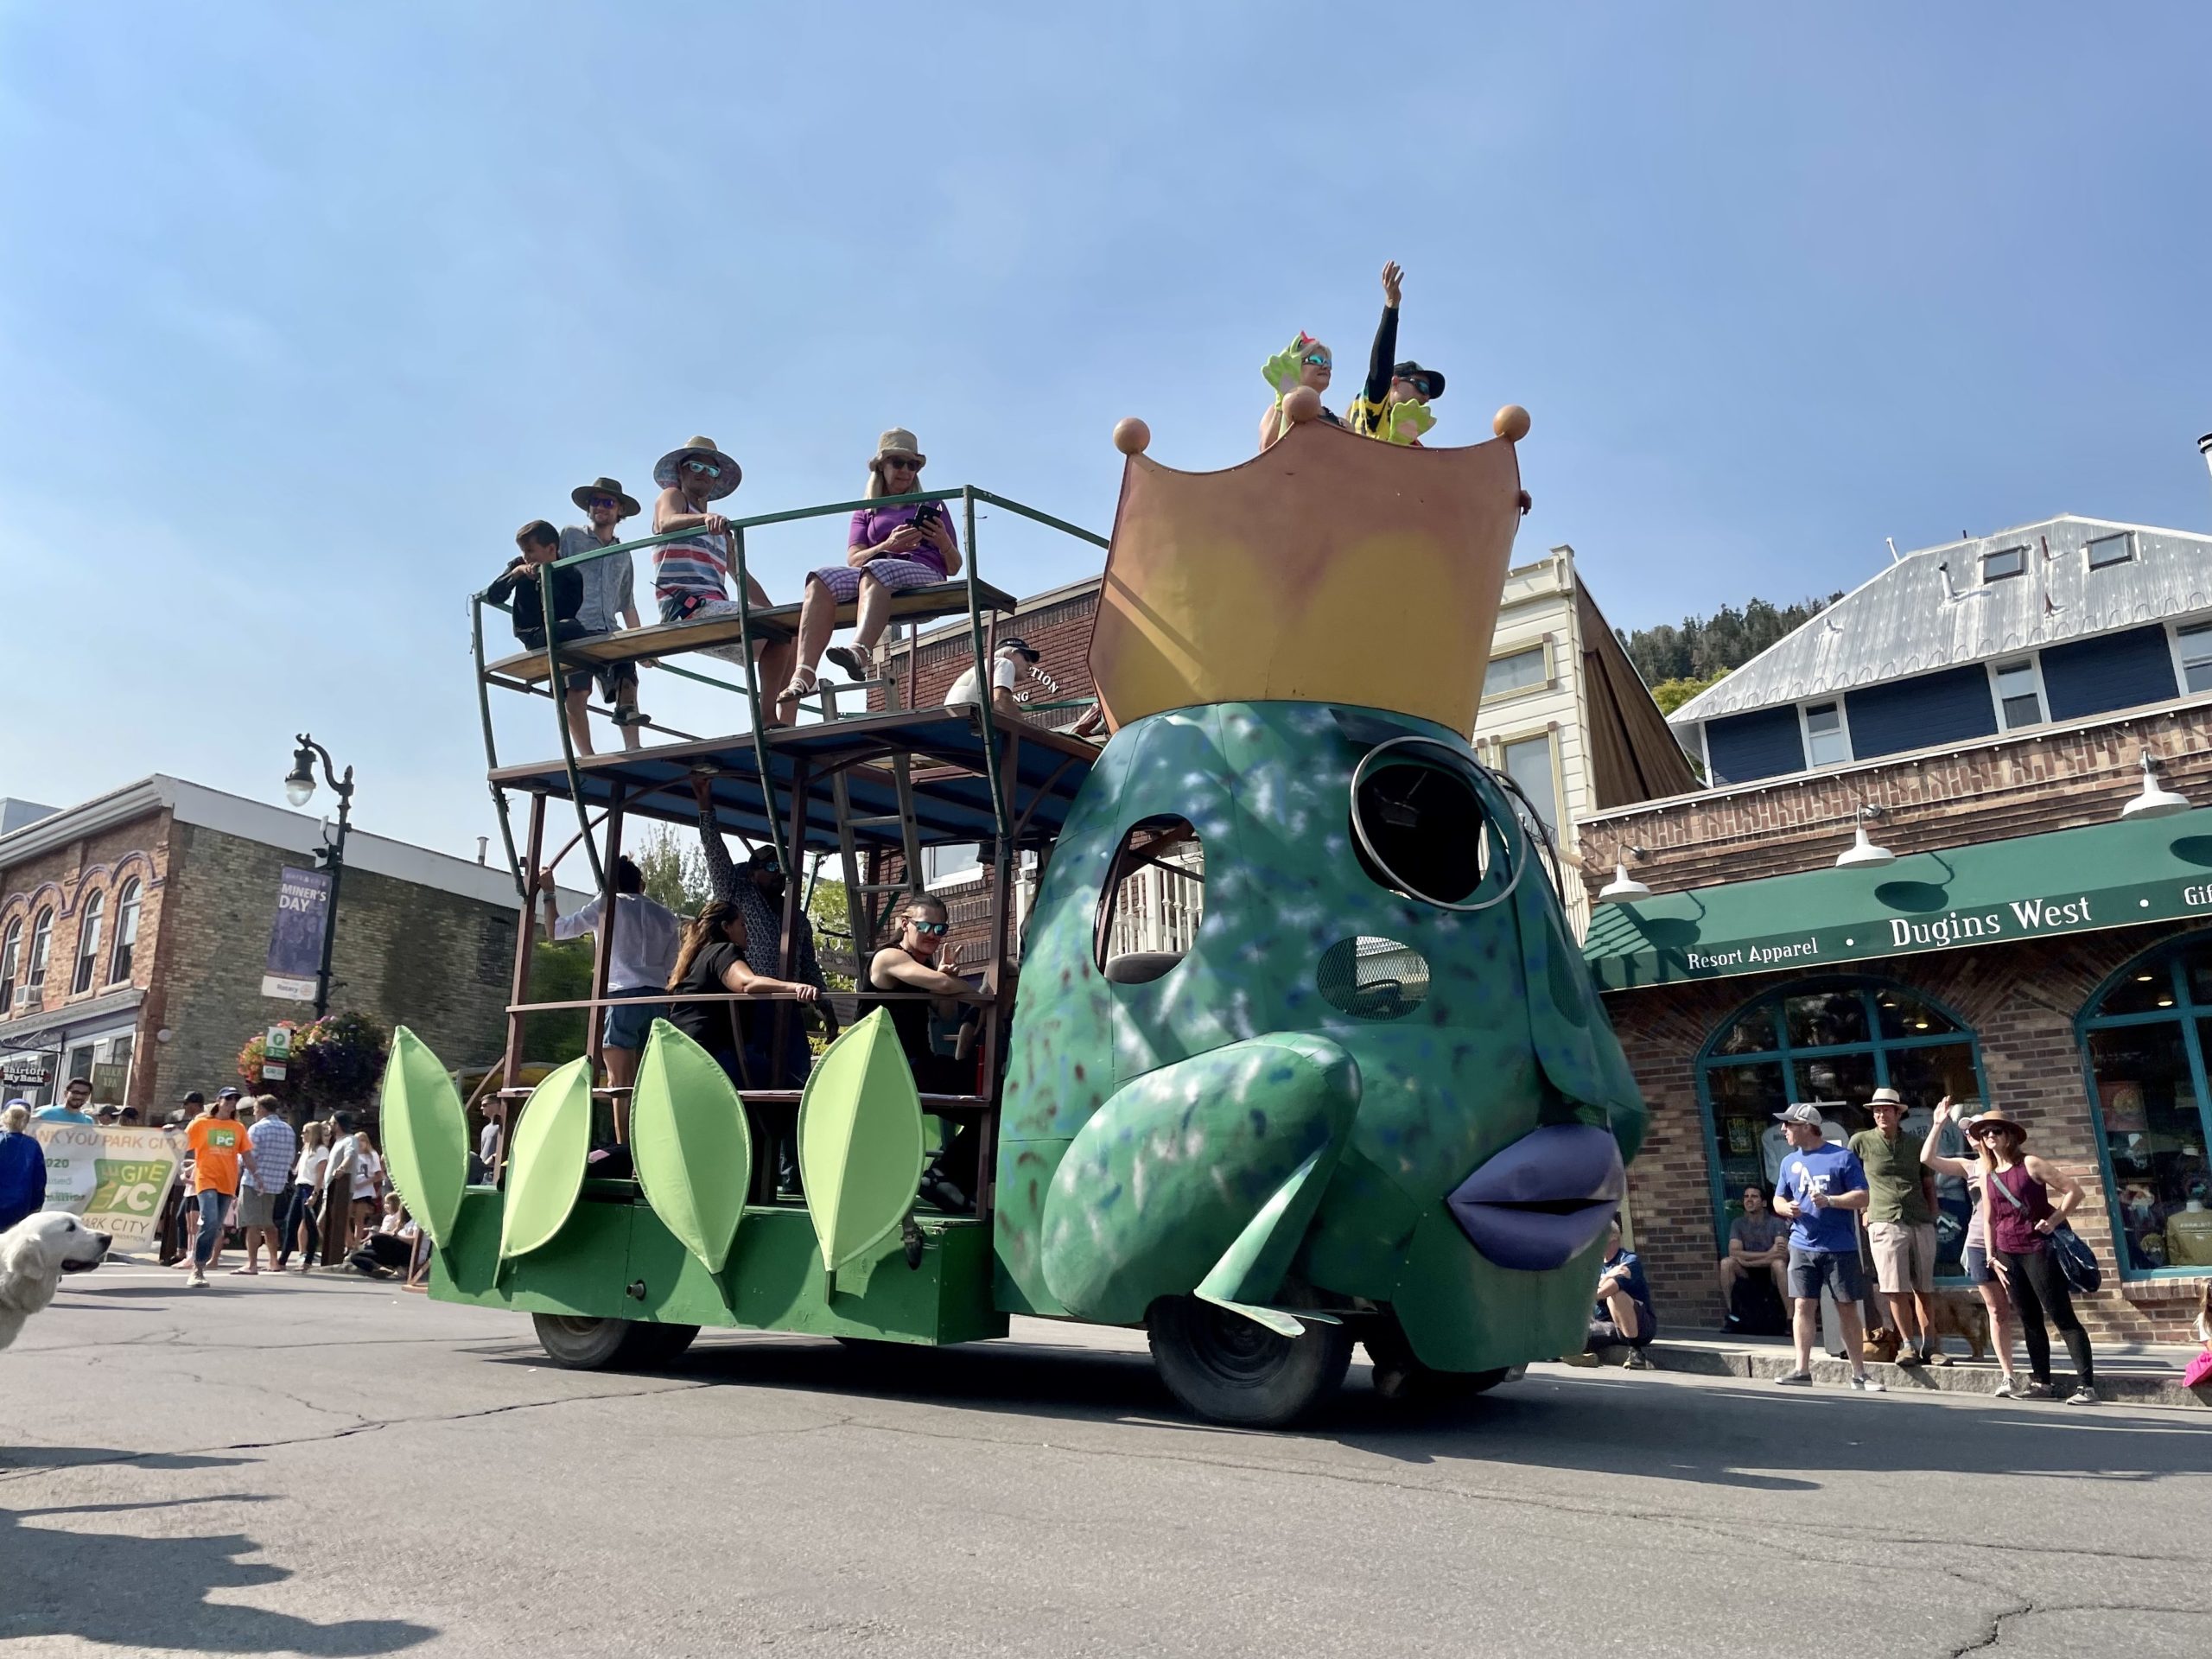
pixel 295 940
pixel 115 1179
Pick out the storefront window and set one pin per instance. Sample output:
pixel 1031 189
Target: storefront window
pixel 2144 1042
pixel 1833 1043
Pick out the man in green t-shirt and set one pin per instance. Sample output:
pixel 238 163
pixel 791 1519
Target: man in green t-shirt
pixel 1901 1225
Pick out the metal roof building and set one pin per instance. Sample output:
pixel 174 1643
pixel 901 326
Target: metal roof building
pixel 2049 621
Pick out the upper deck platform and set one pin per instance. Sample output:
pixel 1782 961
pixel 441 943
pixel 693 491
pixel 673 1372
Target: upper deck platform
pixel 1040 770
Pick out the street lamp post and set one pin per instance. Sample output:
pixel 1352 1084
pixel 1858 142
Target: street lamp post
pixel 299 789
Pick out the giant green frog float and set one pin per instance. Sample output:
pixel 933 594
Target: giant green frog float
pixel 1371 1098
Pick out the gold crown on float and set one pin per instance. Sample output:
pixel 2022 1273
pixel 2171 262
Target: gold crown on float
pixel 1330 567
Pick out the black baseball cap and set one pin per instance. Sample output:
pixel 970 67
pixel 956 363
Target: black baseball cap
pixel 1408 369
pixel 192 1097
pixel 764 858
pixel 227 1094
pixel 1015 642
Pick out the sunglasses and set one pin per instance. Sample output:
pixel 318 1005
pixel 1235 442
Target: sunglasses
pixel 599 501
pixel 1319 359
pixel 904 463
pixel 707 468
pixel 932 928
pixel 1421 384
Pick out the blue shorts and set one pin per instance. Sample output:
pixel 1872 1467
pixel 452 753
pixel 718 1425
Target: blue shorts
pixel 1978 1271
pixel 628 1022
pixel 1810 1269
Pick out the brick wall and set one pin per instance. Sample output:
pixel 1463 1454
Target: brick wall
pixel 65 878
pixel 2020 999
pixel 406 954
pixel 1990 791
pixel 1059 626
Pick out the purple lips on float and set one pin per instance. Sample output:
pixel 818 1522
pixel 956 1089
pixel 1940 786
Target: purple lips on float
pixel 1536 1203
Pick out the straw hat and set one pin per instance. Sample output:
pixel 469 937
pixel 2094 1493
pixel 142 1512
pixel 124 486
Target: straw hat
pixel 664 469
pixel 899 441
pixel 1992 1119
pixel 582 494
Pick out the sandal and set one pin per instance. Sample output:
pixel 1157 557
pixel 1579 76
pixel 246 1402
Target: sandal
pixel 851 658
pixel 803 684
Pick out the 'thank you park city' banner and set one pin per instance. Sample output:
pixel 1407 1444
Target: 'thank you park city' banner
pixel 295 940
pixel 114 1179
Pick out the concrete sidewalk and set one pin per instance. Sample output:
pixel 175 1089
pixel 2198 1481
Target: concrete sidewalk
pixel 2137 1375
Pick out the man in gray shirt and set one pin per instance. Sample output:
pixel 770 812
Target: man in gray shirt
pixel 609 595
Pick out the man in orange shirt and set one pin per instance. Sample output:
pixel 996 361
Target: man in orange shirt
pixel 219 1145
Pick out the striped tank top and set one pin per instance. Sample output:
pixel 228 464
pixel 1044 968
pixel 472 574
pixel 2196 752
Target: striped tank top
pixel 687 572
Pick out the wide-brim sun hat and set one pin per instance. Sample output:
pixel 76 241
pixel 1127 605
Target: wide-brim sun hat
pixel 1992 1118
pixel 582 494
pixel 666 469
pixel 899 441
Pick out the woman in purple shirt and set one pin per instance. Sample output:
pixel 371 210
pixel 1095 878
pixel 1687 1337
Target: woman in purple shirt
pixel 888 550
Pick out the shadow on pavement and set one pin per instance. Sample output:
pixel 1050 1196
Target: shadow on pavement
pixel 13 1458
pixel 1730 1436
pixel 126 1591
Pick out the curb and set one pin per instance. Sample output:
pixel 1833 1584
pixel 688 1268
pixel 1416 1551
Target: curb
pixel 2126 1388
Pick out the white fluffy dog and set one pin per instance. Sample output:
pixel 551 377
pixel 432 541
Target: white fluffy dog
pixel 34 1254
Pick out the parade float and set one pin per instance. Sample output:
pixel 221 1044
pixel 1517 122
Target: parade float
pixel 1367 1096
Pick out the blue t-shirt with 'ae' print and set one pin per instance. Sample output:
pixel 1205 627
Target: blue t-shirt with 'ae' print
pixel 1828 1170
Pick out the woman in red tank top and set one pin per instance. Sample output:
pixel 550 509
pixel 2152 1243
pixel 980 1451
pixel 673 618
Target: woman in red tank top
pixel 2026 1199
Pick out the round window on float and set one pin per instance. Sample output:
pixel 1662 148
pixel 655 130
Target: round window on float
pixel 1418 824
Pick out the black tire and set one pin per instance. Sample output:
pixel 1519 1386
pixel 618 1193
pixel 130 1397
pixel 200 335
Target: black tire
pixel 1402 1379
pixel 576 1344
pixel 1228 1369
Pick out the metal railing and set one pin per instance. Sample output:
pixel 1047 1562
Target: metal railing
pixel 979 635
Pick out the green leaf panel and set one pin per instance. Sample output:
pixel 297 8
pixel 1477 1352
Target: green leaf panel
pixel 425 1130
pixel 859 1141
pixel 545 1167
pixel 691 1144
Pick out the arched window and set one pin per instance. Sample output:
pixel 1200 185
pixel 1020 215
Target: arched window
pixel 126 931
pixel 11 960
pixel 1153 901
pixel 42 948
pixel 2144 1040
pixel 1832 1042
pixel 88 943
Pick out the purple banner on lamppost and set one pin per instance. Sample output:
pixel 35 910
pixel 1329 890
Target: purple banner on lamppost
pixel 295 941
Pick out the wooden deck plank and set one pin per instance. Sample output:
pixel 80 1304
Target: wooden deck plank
pixel 771 622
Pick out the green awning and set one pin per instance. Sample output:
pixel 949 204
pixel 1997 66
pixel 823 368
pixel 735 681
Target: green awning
pixel 2068 881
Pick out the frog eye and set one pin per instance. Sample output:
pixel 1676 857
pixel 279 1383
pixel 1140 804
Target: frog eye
pixel 1419 824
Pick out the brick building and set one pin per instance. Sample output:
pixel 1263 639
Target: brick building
pixel 1937 873
pixel 134 929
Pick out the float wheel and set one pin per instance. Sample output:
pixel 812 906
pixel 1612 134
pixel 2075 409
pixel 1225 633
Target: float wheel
pixel 577 1343
pixel 1228 1369
pixel 1400 1377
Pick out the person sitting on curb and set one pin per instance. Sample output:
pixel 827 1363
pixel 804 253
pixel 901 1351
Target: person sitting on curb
pixel 385 1251
pixel 1622 1317
pixel 1006 674
pixel 609 597
pixel 1759 1241
pixel 1821 1188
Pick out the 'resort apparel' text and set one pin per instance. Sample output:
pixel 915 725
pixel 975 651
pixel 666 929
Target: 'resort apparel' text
pixel 2030 915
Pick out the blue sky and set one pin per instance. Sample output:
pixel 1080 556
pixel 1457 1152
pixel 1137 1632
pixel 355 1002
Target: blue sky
pixel 305 309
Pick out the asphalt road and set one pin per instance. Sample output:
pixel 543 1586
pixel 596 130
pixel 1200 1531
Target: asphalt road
pixel 332 1467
